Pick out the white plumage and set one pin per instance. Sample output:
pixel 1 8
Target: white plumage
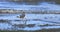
pixel 22 15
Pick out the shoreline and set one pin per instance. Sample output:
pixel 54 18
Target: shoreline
pixel 43 30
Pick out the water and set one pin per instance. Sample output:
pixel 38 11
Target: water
pixel 40 6
pixel 37 19
pixel 51 19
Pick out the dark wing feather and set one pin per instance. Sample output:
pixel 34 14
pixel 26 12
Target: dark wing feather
pixel 22 16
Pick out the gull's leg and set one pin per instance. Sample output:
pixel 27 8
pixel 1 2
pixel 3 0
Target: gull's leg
pixel 25 21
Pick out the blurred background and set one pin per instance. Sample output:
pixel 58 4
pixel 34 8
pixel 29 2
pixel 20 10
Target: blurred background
pixel 31 2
